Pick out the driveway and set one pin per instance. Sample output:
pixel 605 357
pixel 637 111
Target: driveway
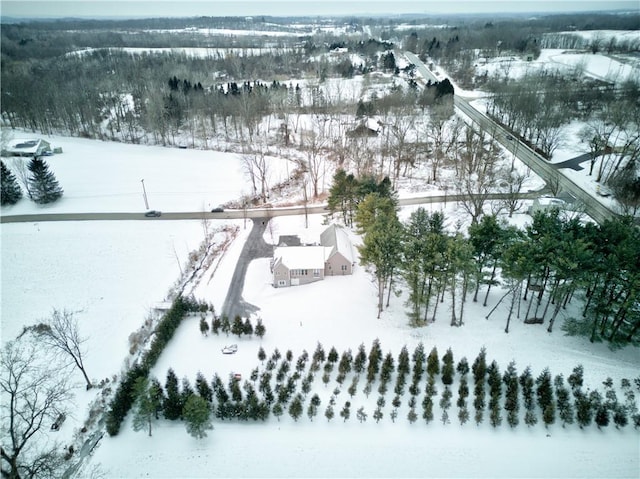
pixel 254 248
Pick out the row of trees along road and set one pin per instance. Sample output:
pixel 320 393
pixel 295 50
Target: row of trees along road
pixel 542 268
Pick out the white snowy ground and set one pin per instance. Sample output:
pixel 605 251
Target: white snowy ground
pixel 599 65
pixel 113 272
pixel 340 312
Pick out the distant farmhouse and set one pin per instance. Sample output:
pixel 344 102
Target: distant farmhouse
pixel 27 147
pixel 297 265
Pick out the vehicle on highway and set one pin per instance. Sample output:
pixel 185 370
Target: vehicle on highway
pixel 603 191
pixel 509 137
pixel 153 214
pixel 232 349
pixel 218 210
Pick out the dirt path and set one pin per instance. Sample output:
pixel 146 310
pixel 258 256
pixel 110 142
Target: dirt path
pixel 254 248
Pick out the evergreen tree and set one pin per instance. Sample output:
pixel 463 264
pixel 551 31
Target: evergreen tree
pixel 346 411
pixel 344 367
pixel 197 416
pixel 204 326
pixel 511 403
pixel 172 404
pixel 584 410
pixel 479 401
pixel 433 363
pixel 479 367
pixel 332 357
pixel 565 408
pixel 403 361
pixel 462 367
pixel 427 409
pixel 296 408
pixel 203 389
pixel 186 392
pixel 328 413
pixel 10 191
pixel 157 396
pixel 412 416
pixel 361 415
pixel 144 409
pixel 216 324
pixel 576 378
pixel 620 416
pixel 463 393
pixel 312 411
pixel 448 367
pixel 544 393
pixel 360 360
pixel 237 327
pixel 43 186
pixel 318 355
pixel 225 324
pixel 247 327
pixel 445 404
pixel 354 386
pixel 278 410
pixel 261 354
pixel 377 415
pixel 260 330
pixel 387 368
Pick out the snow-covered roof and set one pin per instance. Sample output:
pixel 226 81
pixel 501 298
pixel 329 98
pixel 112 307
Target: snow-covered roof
pixel 29 146
pixel 302 257
pixel 373 124
pixel 337 239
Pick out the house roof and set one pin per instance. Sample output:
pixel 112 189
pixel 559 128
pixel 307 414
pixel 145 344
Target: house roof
pixel 28 146
pixel 337 239
pixel 302 257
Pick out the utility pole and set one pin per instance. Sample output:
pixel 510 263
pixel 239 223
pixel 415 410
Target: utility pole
pixel 144 195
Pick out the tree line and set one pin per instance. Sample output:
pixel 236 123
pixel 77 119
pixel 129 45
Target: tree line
pixel 542 268
pixel 284 384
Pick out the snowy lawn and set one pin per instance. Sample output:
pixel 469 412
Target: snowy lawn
pixel 340 312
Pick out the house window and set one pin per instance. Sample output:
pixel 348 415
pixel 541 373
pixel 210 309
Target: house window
pixel 316 273
pixel 282 282
pixel 344 267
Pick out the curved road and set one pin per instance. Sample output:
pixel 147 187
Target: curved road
pixel 255 247
pixel 539 165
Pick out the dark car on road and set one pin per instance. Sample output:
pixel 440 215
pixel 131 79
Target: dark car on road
pixel 217 210
pixel 153 214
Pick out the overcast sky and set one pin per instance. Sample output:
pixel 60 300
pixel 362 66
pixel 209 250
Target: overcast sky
pixel 178 8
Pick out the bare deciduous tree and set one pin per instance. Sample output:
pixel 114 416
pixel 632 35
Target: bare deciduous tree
pixel 61 332
pixel 35 392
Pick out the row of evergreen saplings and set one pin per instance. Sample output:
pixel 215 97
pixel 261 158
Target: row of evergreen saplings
pixel 41 184
pixel 237 327
pixel 256 398
pixel 125 394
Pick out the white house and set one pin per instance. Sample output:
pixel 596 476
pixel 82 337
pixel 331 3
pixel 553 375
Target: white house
pixel 297 265
pixel 27 147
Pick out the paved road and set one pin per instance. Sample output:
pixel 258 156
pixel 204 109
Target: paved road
pixel 539 165
pixel 229 214
pixel 255 247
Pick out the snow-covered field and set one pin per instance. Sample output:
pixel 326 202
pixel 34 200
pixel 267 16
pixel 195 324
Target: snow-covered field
pixel 340 312
pixel 112 273
pixel 600 65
